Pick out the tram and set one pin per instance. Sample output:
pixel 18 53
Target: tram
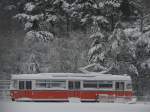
pixel 62 86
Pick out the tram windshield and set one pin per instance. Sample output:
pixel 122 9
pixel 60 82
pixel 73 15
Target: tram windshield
pixel 25 85
pixel 119 86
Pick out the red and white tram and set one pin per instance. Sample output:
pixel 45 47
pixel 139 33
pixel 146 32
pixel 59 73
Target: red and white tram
pixel 62 86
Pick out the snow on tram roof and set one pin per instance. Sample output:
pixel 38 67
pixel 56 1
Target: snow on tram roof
pixel 71 76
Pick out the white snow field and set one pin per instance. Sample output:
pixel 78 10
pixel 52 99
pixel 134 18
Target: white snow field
pixel 72 107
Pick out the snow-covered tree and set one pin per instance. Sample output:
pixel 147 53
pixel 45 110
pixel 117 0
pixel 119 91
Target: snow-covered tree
pixel 122 51
pixel 55 16
pixel 98 48
pixel 42 16
pixel 113 53
pixel 30 65
pixel 143 52
pixel 86 11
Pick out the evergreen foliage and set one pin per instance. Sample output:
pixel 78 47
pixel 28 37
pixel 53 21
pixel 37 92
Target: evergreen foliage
pixel 56 36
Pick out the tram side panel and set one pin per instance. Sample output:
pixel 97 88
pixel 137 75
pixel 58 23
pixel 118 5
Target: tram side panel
pixel 85 94
pixel 64 95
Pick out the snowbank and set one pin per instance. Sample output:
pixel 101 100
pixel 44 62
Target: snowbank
pixel 72 107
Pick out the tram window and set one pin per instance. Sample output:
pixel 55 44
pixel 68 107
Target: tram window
pixel 70 84
pixel 21 85
pixel 28 85
pixel 90 84
pixel 58 84
pixel 77 84
pixel 53 85
pixel 105 84
pixel 74 85
pixel 50 84
pixel 119 86
pixel 122 85
pixel 41 83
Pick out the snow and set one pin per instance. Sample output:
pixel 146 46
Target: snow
pixel 95 6
pixel 65 4
pixel 146 64
pixel 102 56
pixel 101 4
pixel 145 38
pixel 74 100
pixel 115 45
pixel 97 35
pixel 133 69
pixel 132 32
pixel 29 6
pixel 72 107
pixel 23 16
pixel 78 76
pixel 39 36
pixel 56 2
pixel 83 20
pixel 95 48
pixel 100 18
pixel 114 3
pixel 28 25
pixel 51 18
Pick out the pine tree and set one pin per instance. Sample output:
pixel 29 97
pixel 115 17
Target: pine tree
pixel 98 48
pixel 122 51
pixel 143 63
pixel 44 17
pixel 115 53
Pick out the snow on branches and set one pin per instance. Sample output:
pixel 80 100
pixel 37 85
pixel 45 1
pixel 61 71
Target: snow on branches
pixel 115 51
pixel 26 17
pixel 114 3
pixel 39 36
pixel 28 20
pixel 29 6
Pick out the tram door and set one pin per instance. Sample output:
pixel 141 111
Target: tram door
pixel 120 87
pixel 26 86
pixel 74 88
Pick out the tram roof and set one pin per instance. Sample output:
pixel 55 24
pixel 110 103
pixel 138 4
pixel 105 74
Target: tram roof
pixel 71 76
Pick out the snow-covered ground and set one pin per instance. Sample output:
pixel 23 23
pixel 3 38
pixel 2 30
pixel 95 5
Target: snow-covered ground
pixel 72 107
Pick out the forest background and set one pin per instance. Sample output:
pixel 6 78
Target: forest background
pixel 65 35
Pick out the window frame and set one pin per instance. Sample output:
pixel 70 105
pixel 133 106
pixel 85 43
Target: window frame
pixel 91 82
pixel 97 87
pixel 19 85
pixel 120 84
pixel 25 84
pixel 48 84
pixel 106 82
pixel 75 85
pixel 29 87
